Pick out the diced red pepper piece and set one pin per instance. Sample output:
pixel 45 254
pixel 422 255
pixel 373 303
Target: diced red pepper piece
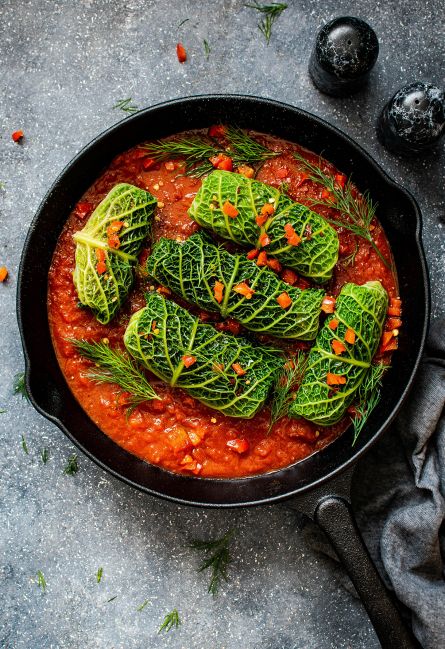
pixel 393 323
pixel 395 307
pixel 114 241
pixel 260 219
pixel 114 227
pixel 264 240
pixel 338 347
pixel 282 172
pixel 333 324
pixel 275 265
pixel 326 194
pixel 289 276
pixel 188 360
pixel 218 291
pixel 163 290
pixel 267 209
pixel 239 444
pixel 340 179
pixel 244 289
pixel 230 210
pixel 292 237
pixel 238 369
pixel 222 161
pixel 252 254
pixel 328 304
pixel 83 209
pixel 217 130
pixel 3 273
pixel 148 163
pixel 17 136
pixel 246 171
pixel 194 437
pixel 181 53
pixel 392 345
pixel 101 267
pixel 350 336
pixel 100 254
pixel 284 300
pixel 262 258
pixel 335 379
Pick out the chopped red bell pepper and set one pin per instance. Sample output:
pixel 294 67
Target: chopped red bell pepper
pixel 181 53
pixel 188 360
pixel 284 300
pixel 218 291
pixel 292 237
pixel 230 210
pixel 328 304
pixel 238 369
pixel 244 289
pixel 239 444
pixel 17 136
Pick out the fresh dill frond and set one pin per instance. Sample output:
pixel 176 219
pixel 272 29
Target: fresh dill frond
pixel 244 149
pixel 2 411
pixel 25 445
pixel 44 454
pixel 193 149
pixel 111 599
pixel 99 574
pixel 41 581
pixel 72 465
pixel 171 620
pixel 283 187
pixel 368 398
pixel 19 385
pixel 271 12
pixel 115 366
pixel 183 22
pixel 126 105
pixel 284 387
pixel 349 260
pixel 358 211
pixel 143 605
pixel 216 557
pixel 207 49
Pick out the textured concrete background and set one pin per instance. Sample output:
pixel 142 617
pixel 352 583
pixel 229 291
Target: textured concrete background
pixel 63 66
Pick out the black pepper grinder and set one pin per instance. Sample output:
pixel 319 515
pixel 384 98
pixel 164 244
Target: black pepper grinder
pixel 413 120
pixel 345 51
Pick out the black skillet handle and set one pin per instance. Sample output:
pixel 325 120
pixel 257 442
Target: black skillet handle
pixel 335 517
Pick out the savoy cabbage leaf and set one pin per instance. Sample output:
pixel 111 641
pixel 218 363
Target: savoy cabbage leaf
pixel 316 254
pixel 362 310
pixel 226 373
pixel 104 292
pixel 194 268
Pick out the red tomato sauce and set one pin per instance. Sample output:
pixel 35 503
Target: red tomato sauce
pixel 171 431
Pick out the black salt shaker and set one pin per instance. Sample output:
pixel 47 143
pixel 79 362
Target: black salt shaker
pixel 345 51
pixel 413 120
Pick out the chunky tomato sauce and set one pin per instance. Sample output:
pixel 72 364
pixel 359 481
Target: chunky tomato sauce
pixel 160 432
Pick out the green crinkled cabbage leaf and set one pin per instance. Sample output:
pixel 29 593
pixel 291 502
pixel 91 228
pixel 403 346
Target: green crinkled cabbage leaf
pixel 160 334
pixel 104 293
pixel 317 253
pixel 190 268
pixel 363 309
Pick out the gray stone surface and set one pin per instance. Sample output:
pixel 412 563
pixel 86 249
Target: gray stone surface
pixel 63 66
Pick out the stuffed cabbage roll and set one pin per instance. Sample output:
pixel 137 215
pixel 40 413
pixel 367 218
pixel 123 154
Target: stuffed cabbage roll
pixel 226 373
pixel 208 276
pixel 342 354
pixel 252 213
pixel 107 249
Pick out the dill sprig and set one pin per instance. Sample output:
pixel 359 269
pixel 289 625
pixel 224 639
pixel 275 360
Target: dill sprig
pixel 369 396
pixel 72 465
pixel 25 445
pixel 41 581
pixel 197 151
pixel 271 12
pixel 171 620
pixel 114 366
pixel 99 574
pixel 207 48
pixel 143 605
pixel 359 210
pixel 126 105
pixel 350 259
pixel 19 385
pixel 183 22
pixel 216 557
pixel 284 387
pixel 44 455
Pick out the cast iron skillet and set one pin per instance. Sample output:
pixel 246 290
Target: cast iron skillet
pixel 322 480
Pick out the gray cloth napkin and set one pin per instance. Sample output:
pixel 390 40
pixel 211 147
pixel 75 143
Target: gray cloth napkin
pixel 398 495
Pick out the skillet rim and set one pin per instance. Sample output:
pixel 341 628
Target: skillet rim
pixel 373 436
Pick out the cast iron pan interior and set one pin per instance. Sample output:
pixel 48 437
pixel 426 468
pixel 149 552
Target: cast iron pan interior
pixel 48 390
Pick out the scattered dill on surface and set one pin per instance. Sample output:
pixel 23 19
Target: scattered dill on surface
pixel 25 445
pixel 126 105
pixel 19 385
pixel 171 620
pixel 44 454
pixel 216 557
pixel 72 465
pixel 99 574
pixel 183 21
pixel 143 605
pixel 207 49
pixel 111 599
pixel 41 581
pixel 270 12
